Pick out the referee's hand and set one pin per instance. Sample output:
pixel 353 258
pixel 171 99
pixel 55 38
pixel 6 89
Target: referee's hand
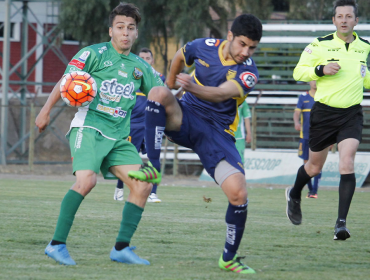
pixel 331 69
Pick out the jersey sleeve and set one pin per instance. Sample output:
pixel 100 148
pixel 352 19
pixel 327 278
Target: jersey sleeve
pixel 246 112
pixel 189 51
pixel 300 103
pixel 309 60
pixel 85 60
pixel 151 79
pixel 246 79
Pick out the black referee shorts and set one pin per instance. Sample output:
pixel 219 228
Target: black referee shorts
pixel 329 125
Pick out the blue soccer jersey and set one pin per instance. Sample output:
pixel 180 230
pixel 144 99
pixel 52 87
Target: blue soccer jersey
pixel 211 69
pixel 138 112
pixel 304 105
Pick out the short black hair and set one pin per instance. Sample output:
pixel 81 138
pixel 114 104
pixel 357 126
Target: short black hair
pixel 128 10
pixel 247 25
pixel 341 3
pixel 146 50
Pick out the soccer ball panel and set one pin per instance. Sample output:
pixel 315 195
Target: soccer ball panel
pixel 78 89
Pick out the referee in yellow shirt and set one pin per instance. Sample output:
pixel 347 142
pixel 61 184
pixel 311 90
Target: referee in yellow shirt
pixel 338 63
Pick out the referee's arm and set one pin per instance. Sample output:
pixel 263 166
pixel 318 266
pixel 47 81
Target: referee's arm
pixel 308 67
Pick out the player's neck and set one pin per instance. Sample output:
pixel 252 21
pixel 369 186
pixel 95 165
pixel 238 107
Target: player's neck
pixel 225 52
pixel 312 92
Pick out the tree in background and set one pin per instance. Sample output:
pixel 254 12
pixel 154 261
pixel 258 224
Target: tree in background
pixel 86 21
pixel 261 9
pixel 321 9
pixel 184 20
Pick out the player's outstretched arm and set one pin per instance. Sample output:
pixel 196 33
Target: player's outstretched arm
pixel 221 93
pixel 43 118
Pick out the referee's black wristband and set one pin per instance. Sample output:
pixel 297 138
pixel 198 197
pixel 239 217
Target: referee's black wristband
pixel 319 70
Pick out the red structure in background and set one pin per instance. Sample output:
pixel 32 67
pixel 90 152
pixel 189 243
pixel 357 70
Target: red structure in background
pixel 52 66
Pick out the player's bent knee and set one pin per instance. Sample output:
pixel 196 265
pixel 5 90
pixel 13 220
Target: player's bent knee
pixel 85 181
pixel 141 188
pixel 314 170
pixel 159 94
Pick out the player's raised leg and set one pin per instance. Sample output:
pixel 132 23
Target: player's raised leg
pixel 234 186
pixel 162 112
pixel 131 215
pixel 56 249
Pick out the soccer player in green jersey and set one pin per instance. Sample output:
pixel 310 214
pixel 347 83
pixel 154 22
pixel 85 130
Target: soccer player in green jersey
pixel 99 131
pixel 337 62
pixel 243 133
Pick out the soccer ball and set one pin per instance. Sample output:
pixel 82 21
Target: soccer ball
pixel 78 89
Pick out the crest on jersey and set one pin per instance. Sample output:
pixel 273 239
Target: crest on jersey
pixel 230 74
pixel 137 73
pixel 248 79
pixel 84 56
pixel 363 71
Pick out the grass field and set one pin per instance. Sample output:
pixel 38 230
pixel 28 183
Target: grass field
pixel 182 237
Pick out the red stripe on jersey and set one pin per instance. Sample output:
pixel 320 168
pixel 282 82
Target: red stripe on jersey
pixel 77 63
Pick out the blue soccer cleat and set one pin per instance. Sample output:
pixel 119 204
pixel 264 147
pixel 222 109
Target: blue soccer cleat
pixel 59 253
pixel 127 255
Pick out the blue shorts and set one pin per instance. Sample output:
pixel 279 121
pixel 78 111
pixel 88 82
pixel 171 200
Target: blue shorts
pixel 303 149
pixel 136 137
pixel 210 143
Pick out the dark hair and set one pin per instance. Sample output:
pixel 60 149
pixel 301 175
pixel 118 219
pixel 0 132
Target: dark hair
pixel 247 25
pixel 146 50
pixel 128 10
pixel 341 3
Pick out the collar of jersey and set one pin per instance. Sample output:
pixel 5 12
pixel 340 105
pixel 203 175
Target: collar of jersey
pixel 336 38
pixel 221 56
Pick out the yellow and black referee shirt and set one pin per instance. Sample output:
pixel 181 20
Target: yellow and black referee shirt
pixel 345 88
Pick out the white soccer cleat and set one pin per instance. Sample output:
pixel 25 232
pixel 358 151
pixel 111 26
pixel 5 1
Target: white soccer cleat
pixel 118 194
pixel 153 198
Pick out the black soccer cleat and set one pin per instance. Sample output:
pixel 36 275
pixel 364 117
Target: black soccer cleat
pixel 340 230
pixel 293 208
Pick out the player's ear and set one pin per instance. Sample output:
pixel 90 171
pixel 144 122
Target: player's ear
pixel 110 31
pixel 230 36
pixel 137 33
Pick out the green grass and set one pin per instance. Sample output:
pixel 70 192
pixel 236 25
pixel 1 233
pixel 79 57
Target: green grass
pixel 182 237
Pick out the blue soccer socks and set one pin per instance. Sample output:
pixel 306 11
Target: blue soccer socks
pixel 155 122
pixel 236 217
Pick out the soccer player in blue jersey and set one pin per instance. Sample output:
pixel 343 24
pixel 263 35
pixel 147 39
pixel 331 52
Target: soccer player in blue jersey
pixel 206 117
pixel 137 126
pixel 303 110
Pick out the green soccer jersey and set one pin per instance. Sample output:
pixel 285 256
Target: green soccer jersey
pixel 345 88
pixel 244 113
pixel 118 77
